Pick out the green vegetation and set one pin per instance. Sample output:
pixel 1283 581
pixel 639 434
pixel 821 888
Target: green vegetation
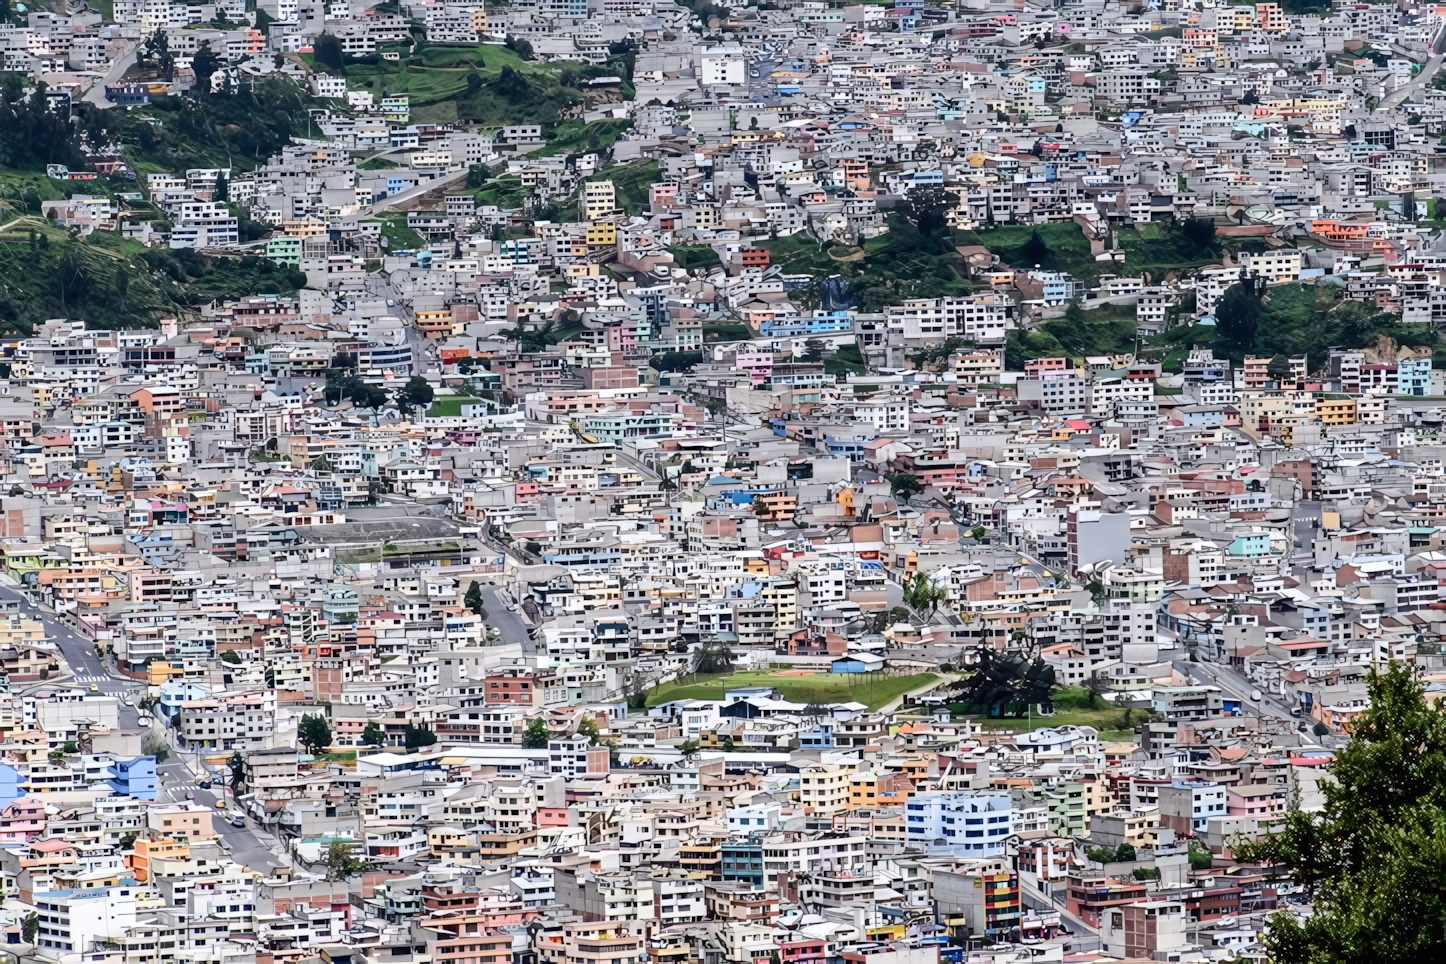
pixel 1158 247
pixel 1073 706
pixel 580 137
pixel 399 236
pixel 1370 859
pixel 505 191
pixel 844 360
pixel 694 255
pixel 823 688
pixel 1054 247
pixel 726 332
pixel 894 266
pixel 1106 330
pixel 1279 321
pixel 1297 319
pixel 450 406
pixel 113 282
pixel 631 184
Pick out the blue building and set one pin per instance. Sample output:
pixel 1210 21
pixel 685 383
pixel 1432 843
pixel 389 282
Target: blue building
pixel 742 859
pixel 818 736
pixel 959 824
pixel 1413 376
pixel 134 778
pixel 857 663
pixel 10 789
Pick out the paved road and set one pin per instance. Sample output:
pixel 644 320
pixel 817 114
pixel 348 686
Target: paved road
pixel 1084 937
pixel 402 197
pixel 78 652
pixel 178 784
pixel 1433 64
pixel 1304 519
pixel 96 94
pixel 513 627
pixel 898 701
pixel 1235 685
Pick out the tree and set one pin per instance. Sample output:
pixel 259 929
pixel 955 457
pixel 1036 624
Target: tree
pixel 1035 251
pixel 1200 856
pixel 416 737
pixel 29 927
pixel 314 733
pixel 1199 231
pixel 1005 683
pixel 1370 859
pixel 522 48
pixel 122 286
pixel 326 50
pixel 813 350
pixel 1125 853
pixel 688 747
pixel 222 191
pixel 637 692
pixel 417 393
pixel 473 599
pixel 904 486
pixel 231 657
pixel 203 65
pixel 714 656
pixel 237 766
pixel 928 208
pixel 535 737
pixel 587 727
pixel 340 864
pixel 373 734
pixel 924 595
pixel 362 395
pixel 152 744
pixel 1237 316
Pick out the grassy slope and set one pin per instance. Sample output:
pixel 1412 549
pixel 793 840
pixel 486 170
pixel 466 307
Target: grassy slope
pixel 1068 250
pixel 1072 708
pixel 449 406
pixel 823 688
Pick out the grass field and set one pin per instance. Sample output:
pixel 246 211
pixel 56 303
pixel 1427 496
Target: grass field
pixel 821 688
pixel 449 406
pixel 1071 708
pixel 399 236
pixel 1065 247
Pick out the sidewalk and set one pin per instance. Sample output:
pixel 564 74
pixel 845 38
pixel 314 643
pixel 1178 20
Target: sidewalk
pixel 898 701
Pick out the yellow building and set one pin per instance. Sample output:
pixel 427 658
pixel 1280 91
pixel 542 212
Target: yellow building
pixel 602 234
pixel 824 790
pixel 599 199
pixel 1336 410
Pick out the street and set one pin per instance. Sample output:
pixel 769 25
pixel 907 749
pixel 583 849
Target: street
pixel 1085 937
pixel 178 784
pixel 512 626
pixel 175 778
pixel 1428 70
pixel 96 94
pixel 78 652
pixel 1234 685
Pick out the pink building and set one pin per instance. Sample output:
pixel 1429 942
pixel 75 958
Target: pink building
pixel 22 821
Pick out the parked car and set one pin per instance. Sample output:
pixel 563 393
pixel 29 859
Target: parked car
pixel 238 821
